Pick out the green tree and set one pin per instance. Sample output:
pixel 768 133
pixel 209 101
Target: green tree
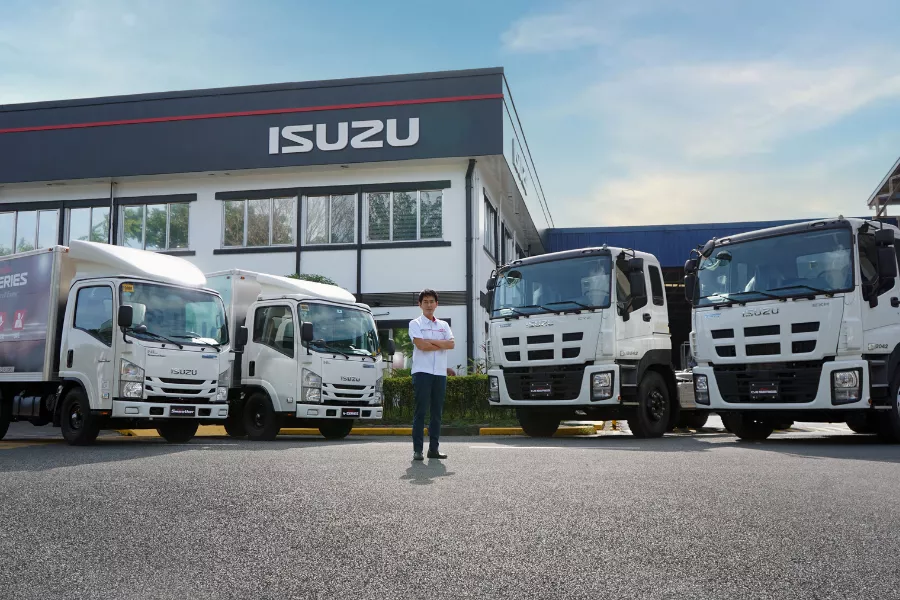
pixel 313 277
pixel 403 343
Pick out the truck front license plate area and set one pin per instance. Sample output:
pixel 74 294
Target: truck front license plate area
pixel 183 411
pixel 350 413
pixel 764 391
pixel 541 387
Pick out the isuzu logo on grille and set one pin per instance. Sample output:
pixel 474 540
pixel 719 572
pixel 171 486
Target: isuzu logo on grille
pixel 758 312
pixel 184 371
pixel 539 324
pixel 349 378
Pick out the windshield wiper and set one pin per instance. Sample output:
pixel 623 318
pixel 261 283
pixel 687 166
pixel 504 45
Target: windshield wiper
pixel 765 294
pixel 585 306
pixel 518 312
pixel 327 348
pixel 142 330
pixel 803 285
pixel 189 336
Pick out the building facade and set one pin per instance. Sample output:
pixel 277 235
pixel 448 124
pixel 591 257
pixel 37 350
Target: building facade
pixel 387 185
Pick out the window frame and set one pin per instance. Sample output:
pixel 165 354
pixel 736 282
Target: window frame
pixel 491 217
pixel 245 204
pixel 331 197
pixel 112 296
pixel 67 236
pixel 418 197
pixel 657 281
pixel 36 235
pixel 144 208
pixel 256 325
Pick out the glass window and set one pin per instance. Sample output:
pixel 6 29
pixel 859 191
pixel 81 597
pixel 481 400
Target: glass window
pixel 343 219
pixel 656 287
pixel 100 224
pixel 7 233
pixel 94 312
pixel 89 224
pixel 331 219
pixel 155 226
pixel 317 220
pixel 189 316
pixel 405 216
pixel 26 231
pixel 258 223
pixel 273 326
pixel 431 215
pixel 379 217
pixel 345 329
pixel 490 228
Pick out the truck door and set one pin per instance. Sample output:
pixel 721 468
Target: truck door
pixel 270 358
pixel 878 320
pixel 89 343
pixel 635 328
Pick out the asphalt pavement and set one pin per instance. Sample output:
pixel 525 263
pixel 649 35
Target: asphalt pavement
pixel 806 514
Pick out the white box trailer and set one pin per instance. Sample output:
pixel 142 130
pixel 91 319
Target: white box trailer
pixel 307 355
pixel 97 336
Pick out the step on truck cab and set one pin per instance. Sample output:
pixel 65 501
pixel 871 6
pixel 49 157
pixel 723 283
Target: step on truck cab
pixel 95 336
pixel 798 323
pixel 308 355
pixel 584 334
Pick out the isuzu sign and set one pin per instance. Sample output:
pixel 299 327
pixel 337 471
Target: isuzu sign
pixel 758 312
pixel 327 138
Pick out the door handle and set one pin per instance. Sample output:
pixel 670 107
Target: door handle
pixel 895 302
pixel 647 317
pixel 70 355
pixel 252 368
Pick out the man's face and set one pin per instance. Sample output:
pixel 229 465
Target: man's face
pixel 428 304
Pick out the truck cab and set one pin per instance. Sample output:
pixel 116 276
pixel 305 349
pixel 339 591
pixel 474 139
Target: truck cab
pixel 308 354
pixel 798 323
pixel 583 334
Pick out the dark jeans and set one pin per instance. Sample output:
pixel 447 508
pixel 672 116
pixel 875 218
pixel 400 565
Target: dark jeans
pixel 429 390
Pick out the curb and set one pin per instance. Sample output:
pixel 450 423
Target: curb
pixel 561 432
pixel 474 430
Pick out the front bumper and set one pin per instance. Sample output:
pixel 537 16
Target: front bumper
pixel 327 411
pixel 137 409
pixel 576 393
pixel 822 390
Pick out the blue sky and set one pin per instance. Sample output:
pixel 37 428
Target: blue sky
pixel 638 112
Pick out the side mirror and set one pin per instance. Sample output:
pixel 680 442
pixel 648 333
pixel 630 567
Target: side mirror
pixel 306 332
pixel 126 316
pixel 690 286
pixel 491 283
pixel 884 237
pixel 690 265
pixel 887 263
pixel 638 286
pixel 391 347
pixel 636 264
pixel 241 337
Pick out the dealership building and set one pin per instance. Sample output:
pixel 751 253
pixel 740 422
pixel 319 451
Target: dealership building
pixel 387 185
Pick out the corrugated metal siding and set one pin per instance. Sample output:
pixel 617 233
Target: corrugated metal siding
pixel 671 244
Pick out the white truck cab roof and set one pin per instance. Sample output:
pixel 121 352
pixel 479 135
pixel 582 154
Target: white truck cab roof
pixel 93 259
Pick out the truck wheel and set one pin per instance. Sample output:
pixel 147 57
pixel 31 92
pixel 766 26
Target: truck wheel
pixel 5 416
pixel 178 432
pixel 260 419
pixel 336 429
pixel 651 418
pixel 889 424
pixel 862 423
pixel 234 423
pixel 79 426
pixel 536 423
pixel 694 419
pixel 746 427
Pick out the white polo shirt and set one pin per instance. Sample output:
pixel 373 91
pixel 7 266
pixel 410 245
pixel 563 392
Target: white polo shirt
pixel 429 361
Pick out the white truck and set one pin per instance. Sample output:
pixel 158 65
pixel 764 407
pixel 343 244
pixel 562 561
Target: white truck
pixel 799 323
pixel 94 336
pixel 325 378
pixel 575 335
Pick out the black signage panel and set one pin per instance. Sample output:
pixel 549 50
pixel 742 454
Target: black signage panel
pixel 24 310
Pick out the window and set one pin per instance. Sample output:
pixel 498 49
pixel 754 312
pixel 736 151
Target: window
pixel 94 312
pixel 155 226
pixel 258 223
pixel 507 246
pixel 519 252
pixel 273 326
pixel 89 224
pixel 331 219
pixel 490 228
pixel 26 230
pixel 623 289
pixel 404 216
pixel 656 287
pixel 868 267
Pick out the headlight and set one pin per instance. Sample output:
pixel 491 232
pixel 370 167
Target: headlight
pixel 221 394
pixel 128 371
pixel 131 389
pixel 379 385
pixel 701 389
pixel 225 377
pixel 602 386
pixel 312 395
pixel 311 389
pixel 310 379
pixel 494 388
pixel 845 386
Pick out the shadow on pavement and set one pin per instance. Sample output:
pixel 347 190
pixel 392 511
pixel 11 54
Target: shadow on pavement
pixel 421 473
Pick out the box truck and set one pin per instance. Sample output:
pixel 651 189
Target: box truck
pixel 326 377
pixel 799 323
pixel 95 336
pixel 584 335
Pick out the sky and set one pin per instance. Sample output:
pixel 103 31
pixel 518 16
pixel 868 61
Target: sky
pixel 642 112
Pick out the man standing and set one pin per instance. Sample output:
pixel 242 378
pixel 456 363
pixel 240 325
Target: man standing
pixel 431 338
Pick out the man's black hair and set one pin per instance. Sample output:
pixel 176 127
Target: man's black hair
pixel 427 292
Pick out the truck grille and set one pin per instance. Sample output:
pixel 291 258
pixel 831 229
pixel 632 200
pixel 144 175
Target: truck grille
pixel 342 394
pixel 565 382
pixel 542 346
pixel 797 382
pixel 167 389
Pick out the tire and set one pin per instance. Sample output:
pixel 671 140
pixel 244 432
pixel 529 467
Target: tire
pixel 694 419
pixel 5 416
pixel 234 423
pixel 651 419
pixel 536 423
pixel 863 423
pixel 782 425
pixel 336 429
pixel 79 426
pixel 746 427
pixel 178 432
pixel 889 423
pixel 261 422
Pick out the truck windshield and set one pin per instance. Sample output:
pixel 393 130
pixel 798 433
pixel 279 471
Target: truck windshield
pixel 798 264
pixel 340 329
pixel 559 285
pixel 184 315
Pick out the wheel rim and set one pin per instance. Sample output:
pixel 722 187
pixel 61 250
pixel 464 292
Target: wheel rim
pixel 258 416
pixel 656 407
pixel 76 418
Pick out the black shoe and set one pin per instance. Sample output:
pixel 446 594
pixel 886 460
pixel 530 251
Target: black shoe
pixel 436 454
pixel 418 456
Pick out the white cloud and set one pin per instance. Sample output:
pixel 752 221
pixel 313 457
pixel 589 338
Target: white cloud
pixel 547 33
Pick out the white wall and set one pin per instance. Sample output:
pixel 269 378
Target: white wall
pixel 339 265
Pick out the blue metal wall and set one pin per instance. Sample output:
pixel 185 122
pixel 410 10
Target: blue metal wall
pixel 671 244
